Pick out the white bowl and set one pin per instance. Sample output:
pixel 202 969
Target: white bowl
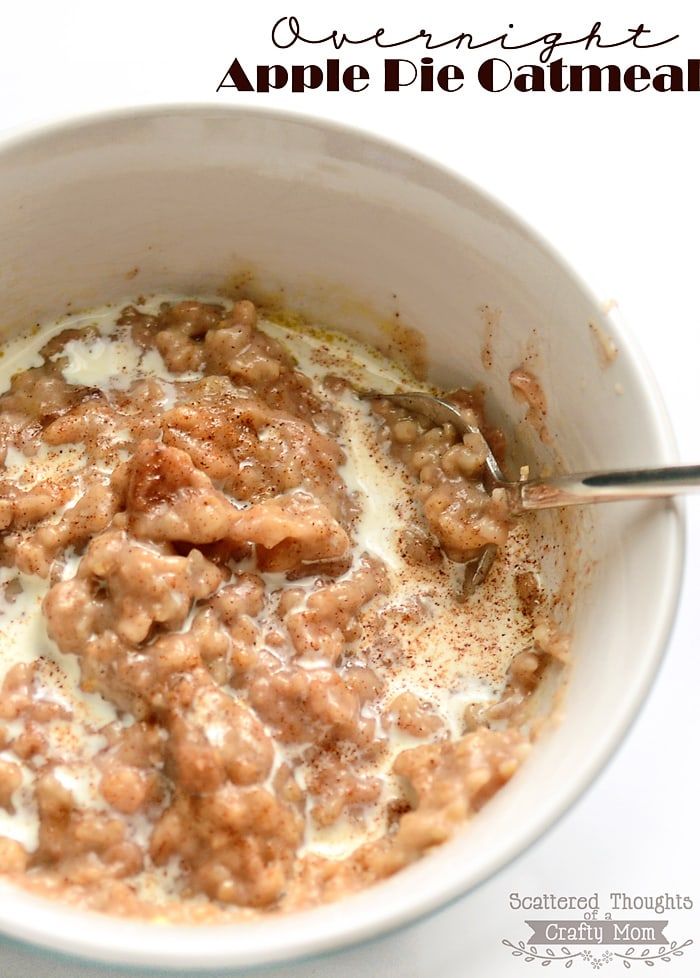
pixel 352 227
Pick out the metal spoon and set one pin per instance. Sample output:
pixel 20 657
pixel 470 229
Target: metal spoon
pixel 562 490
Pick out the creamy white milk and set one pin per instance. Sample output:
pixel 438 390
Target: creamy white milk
pixel 453 656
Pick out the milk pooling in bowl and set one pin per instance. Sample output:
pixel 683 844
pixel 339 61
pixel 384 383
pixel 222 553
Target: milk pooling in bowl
pixel 237 674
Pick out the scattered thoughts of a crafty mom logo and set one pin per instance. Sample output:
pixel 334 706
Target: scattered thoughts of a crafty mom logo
pixel 582 930
pixel 596 59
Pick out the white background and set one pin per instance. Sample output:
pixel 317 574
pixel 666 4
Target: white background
pixel 611 180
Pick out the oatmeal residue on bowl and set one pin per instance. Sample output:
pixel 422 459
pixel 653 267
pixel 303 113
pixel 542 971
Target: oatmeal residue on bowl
pixel 235 670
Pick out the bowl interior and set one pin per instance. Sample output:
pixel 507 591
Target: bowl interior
pixel 362 235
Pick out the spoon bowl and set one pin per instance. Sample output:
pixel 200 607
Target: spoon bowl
pixel 526 495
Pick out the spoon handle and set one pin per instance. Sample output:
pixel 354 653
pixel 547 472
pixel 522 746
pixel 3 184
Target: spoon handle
pixel 603 487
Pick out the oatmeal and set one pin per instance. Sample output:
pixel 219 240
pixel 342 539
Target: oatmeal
pixel 236 673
